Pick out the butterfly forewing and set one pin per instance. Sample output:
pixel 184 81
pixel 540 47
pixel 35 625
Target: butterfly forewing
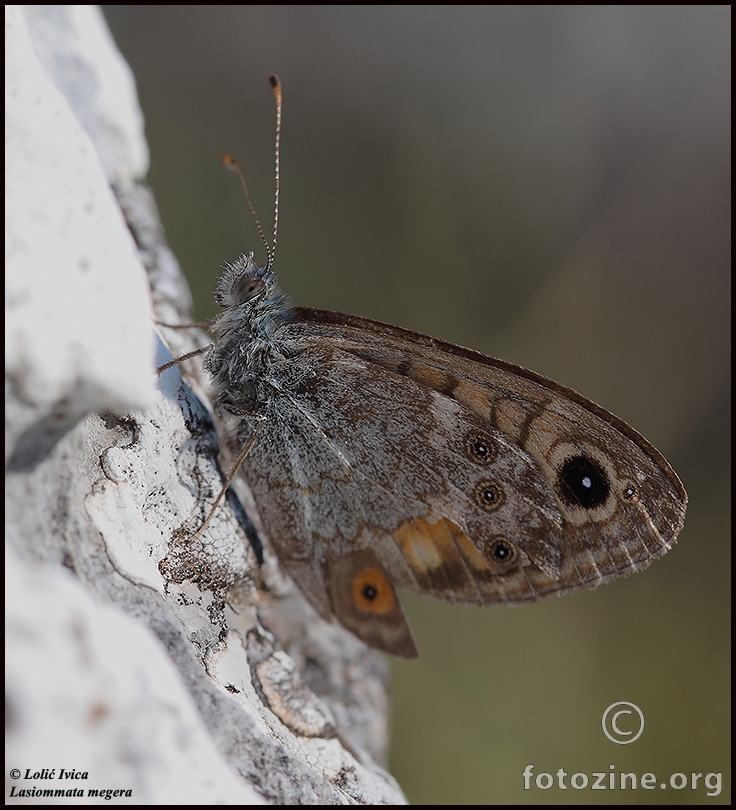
pixel 470 479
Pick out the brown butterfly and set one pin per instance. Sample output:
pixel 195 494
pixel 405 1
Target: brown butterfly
pixel 380 458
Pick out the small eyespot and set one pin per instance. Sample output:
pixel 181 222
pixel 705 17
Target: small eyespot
pixel 480 448
pixel 630 493
pixel 370 592
pixel 582 482
pixel 502 551
pixel 488 495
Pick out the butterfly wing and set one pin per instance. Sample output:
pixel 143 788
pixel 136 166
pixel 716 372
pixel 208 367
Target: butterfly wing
pixel 390 459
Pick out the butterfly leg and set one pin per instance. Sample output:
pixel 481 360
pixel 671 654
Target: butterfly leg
pixel 186 356
pixel 195 325
pixel 229 479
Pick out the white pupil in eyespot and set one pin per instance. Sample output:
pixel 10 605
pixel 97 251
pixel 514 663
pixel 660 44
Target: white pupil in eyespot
pixel 587 483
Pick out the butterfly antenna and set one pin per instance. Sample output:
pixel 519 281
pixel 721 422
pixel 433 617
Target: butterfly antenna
pixel 231 163
pixel 276 87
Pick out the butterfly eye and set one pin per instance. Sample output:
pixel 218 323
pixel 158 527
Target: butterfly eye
pixel 480 448
pixel 372 592
pixel 501 551
pixel 489 495
pixel 248 288
pixel 583 482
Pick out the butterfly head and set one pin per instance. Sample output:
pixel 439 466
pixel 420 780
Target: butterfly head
pixel 250 298
pixel 243 282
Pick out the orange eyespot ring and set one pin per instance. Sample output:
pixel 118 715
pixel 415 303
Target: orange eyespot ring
pixel 372 592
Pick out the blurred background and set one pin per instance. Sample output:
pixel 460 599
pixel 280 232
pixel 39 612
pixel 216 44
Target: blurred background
pixel 546 184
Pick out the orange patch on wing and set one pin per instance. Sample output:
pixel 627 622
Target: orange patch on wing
pixel 444 560
pixel 372 592
pixel 472 555
pixel 447 563
pixel 426 545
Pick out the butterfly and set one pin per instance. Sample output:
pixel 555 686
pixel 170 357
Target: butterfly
pixel 380 458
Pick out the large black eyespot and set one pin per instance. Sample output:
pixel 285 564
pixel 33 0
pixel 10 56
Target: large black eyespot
pixel 489 495
pixel 480 448
pixel 502 551
pixel 582 481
